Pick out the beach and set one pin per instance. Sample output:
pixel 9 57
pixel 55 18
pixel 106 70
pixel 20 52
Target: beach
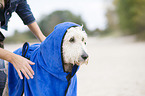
pixel 116 68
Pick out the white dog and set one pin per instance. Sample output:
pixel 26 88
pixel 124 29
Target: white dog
pixel 74 48
pixel 54 68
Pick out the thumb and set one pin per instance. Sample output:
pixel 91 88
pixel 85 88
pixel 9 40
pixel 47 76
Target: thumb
pixel 30 62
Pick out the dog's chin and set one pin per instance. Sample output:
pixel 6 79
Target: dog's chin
pixel 68 67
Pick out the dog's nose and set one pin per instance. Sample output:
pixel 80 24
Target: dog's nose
pixel 84 56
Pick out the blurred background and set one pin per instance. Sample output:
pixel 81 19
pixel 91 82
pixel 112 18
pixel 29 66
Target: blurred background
pixel 116 41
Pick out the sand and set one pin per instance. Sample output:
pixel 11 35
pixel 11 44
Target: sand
pixel 116 67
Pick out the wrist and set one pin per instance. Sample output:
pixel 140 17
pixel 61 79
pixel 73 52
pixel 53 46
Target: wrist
pixel 42 38
pixel 10 57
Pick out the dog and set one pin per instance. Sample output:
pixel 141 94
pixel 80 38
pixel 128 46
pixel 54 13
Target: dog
pixel 57 60
pixel 74 48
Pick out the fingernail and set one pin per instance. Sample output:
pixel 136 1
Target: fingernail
pixel 21 78
pixel 32 77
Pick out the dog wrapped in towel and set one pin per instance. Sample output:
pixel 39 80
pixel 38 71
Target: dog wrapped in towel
pixel 54 74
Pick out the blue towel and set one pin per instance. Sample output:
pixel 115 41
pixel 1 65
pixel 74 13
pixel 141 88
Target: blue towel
pixel 50 79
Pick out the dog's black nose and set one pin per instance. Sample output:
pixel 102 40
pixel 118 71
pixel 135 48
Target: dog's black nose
pixel 84 56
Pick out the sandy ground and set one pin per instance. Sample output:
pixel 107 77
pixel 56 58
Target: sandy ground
pixel 116 68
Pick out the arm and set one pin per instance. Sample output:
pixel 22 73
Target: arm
pixel 20 63
pixel 24 12
pixel 36 31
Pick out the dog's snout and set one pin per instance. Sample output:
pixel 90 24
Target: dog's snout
pixel 84 56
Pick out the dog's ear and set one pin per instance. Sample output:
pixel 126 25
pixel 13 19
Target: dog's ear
pixel 81 27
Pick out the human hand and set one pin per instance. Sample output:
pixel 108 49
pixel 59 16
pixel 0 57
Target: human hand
pixel 22 64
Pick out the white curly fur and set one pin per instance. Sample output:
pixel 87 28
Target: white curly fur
pixel 74 49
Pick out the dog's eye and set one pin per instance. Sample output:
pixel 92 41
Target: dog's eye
pixel 82 39
pixel 85 43
pixel 72 39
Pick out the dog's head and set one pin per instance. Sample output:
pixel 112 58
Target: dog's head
pixel 64 48
pixel 74 48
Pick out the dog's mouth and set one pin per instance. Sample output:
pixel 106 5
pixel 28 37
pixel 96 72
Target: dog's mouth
pixel 81 62
pixel 69 66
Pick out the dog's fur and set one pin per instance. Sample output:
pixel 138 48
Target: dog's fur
pixel 74 49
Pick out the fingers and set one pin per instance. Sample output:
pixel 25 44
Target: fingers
pixel 25 74
pixel 29 67
pixel 22 64
pixel 20 75
pixel 26 70
pixel 30 62
pixel 29 71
